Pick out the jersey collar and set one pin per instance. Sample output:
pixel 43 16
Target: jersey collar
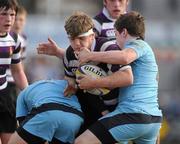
pixel 106 13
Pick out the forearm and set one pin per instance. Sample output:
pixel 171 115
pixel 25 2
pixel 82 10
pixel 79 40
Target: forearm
pixel 60 53
pixel 118 79
pixel 20 80
pixel 19 76
pixel 71 81
pixel 112 57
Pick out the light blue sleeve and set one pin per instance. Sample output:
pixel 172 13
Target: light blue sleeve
pixel 138 47
pixel 21 107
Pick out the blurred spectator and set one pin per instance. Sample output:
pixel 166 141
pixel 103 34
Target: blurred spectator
pixel 43 68
pixel 19 26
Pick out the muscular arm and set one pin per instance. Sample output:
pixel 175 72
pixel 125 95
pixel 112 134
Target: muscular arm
pixel 19 75
pixel 124 57
pixel 120 78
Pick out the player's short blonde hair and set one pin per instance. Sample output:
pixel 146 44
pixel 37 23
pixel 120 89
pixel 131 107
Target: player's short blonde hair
pixel 78 23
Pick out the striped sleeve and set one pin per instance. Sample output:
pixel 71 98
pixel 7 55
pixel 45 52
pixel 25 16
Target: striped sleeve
pixel 97 27
pixel 16 57
pixel 68 72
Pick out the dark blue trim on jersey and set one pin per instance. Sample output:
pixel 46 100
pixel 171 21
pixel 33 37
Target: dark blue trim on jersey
pixel 100 131
pixel 56 141
pixel 101 128
pixel 28 137
pixel 32 139
pixel 49 107
pixel 129 118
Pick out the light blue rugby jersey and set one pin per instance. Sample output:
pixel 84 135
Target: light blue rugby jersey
pixel 44 91
pixel 141 97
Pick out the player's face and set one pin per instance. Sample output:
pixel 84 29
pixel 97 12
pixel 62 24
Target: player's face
pixel 120 38
pixel 79 43
pixel 116 7
pixel 19 23
pixel 7 18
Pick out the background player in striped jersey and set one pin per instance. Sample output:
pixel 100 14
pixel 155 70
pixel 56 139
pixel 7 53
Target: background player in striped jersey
pixel 18 28
pixel 10 48
pixel 79 28
pixel 104 21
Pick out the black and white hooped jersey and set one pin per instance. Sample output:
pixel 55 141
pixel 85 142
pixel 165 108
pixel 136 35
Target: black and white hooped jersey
pixel 104 25
pixel 22 39
pixel 10 47
pixel 100 44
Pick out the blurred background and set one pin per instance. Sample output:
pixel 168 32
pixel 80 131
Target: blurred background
pixel 46 18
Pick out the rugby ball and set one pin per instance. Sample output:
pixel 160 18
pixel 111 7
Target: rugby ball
pixel 95 72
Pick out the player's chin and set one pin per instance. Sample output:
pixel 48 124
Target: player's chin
pixel 6 30
pixel 116 14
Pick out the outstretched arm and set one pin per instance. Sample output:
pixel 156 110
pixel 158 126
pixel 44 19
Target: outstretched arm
pixel 50 48
pixel 124 57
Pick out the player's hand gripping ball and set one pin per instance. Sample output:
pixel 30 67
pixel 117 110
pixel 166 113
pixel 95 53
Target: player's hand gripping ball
pixel 95 72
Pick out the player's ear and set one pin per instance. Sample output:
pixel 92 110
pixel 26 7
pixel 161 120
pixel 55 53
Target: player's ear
pixel 125 32
pixel 104 3
pixel 93 35
pixel 127 3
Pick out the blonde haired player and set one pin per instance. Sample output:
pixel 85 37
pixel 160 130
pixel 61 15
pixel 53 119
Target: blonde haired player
pixel 79 27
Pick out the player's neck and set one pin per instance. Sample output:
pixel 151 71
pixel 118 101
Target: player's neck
pixel 3 34
pixel 131 38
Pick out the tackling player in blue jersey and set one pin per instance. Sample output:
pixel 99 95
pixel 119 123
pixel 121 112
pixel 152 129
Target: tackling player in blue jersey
pixel 45 114
pixel 137 116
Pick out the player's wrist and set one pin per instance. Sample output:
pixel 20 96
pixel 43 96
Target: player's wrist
pixel 90 56
pixel 22 88
pixel 59 52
